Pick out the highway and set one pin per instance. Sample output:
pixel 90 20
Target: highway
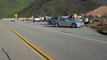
pixel 11 48
pixel 54 43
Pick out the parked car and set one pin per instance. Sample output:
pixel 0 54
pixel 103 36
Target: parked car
pixel 51 21
pixel 37 20
pixel 70 22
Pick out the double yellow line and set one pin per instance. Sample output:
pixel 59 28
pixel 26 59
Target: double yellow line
pixel 36 49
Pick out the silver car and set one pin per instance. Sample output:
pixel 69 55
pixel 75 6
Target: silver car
pixel 68 22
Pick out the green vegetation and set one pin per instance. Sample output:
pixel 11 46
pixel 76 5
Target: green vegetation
pixel 9 7
pixel 58 7
pixel 47 7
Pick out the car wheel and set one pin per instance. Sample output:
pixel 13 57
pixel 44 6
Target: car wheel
pixel 73 25
pixel 56 25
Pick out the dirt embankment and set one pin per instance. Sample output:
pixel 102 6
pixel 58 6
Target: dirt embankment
pixel 100 26
pixel 99 11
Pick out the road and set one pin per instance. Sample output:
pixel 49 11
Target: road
pixel 60 43
pixel 11 48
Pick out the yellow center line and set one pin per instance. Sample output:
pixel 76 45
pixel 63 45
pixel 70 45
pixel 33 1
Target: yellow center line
pixel 36 49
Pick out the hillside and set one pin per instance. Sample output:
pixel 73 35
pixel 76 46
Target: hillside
pixel 10 7
pixel 47 7
pixel 102 2
pixel 59 7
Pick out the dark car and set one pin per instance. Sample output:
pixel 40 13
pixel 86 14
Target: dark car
pixel 52 20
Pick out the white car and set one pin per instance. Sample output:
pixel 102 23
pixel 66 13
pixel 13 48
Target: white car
pixel 37 20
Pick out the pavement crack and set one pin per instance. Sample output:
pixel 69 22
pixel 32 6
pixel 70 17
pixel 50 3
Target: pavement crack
pixel 6 54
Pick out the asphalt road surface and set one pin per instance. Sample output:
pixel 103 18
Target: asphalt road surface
pixel 11 48
pixel 60 43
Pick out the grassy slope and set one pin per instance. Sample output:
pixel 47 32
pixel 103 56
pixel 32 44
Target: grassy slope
pixel 47 7
pixel 102 2
pixel 58 7
pixel 10 7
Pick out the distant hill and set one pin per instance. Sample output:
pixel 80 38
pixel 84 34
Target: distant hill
pixel 59 7
pixel 47 7
pixel 10 7
pixel 102 2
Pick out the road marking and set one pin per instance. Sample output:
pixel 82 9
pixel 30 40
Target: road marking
pixel 36 49
pixel 6 54
pixel 65 33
